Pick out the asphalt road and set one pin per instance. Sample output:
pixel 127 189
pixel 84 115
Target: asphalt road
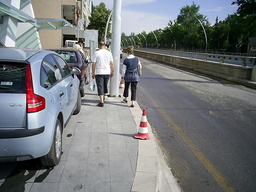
pixel 206 128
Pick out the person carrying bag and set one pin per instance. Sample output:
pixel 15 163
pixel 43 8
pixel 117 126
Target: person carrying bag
pixel 130 75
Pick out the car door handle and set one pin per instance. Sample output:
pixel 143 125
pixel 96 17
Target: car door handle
pixel 71 85
pixel 61 94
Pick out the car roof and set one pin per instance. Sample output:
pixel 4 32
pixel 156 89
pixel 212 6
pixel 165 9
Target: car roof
pixel 13 53
pixel 65 49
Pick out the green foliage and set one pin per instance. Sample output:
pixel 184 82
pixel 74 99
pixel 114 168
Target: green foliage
pixel 246 16
pixel 98 20
pixel 189 16
pixel 246 8
pixel 187 31
pixel 193 26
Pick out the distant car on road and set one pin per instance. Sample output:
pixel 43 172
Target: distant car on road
pixel 38 94
pixel 75 58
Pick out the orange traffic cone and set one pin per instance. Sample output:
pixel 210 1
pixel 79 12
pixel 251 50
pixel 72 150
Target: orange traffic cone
pixel 121 86
pixel 143 129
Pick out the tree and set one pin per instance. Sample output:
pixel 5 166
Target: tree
pixel 219 36
pixel 98 20
pixel 246 13
pixel 246 8
pixel 192 22
pixel 191 30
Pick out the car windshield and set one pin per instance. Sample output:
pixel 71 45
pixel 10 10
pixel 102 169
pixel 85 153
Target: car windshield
pixel 69 56
pixel 12 77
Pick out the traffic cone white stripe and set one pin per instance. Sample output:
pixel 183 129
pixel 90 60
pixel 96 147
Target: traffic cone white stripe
pixel 143 119
pixel 143 129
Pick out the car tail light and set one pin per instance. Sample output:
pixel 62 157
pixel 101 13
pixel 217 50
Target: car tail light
pixel 35 102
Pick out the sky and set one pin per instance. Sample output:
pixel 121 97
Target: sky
pixel 149 15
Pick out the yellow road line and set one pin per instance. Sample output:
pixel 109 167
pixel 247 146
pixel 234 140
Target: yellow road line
pixel 220 179
pixel 200 156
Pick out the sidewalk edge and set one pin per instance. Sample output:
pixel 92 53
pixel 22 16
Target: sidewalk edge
pixel 152 172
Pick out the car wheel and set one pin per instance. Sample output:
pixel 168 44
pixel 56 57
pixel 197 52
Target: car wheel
pixel 82 87
pixel 53 157
pixel 82 92
pixel 78 104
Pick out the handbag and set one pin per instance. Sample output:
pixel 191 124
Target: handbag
pixel 139 70
pixel 92 85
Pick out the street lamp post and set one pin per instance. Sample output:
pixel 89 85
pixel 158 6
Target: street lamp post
pixel 205 35
pixel 134 43
pixel 127 42
pixel 106 30
pixel 130 41
pixel 116 34
pixel 123 43
pixel 139 39
pixel 145 40
pixel 156 39
pixel 174 40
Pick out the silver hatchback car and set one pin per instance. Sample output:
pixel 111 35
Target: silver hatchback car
pixel 38 94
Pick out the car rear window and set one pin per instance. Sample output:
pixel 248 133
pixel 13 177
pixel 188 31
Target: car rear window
pixel 12 77
pixel 69 56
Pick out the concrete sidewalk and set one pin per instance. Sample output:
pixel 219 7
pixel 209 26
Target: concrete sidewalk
pixel 101 155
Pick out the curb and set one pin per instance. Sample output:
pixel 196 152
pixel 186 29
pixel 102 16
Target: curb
pixel 152 173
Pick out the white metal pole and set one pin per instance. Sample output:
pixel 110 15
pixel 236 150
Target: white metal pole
pixel 106 30
pixel 145 40
pixel 156 39
pixel 133 41
pixel 138 38
pixel 127 42
pixel 205 35
pixel 116 42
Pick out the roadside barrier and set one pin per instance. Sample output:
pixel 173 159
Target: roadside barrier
pixel 235 73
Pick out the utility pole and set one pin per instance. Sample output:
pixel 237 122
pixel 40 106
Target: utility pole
pixel 116 40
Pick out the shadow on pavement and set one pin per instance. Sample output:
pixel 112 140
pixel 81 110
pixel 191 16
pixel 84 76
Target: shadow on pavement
pixel 16 175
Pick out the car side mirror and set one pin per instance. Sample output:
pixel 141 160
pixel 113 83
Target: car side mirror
pixel 75 71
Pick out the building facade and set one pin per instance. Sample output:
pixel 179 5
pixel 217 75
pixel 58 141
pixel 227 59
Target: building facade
pixel 43 24
pixel 76 12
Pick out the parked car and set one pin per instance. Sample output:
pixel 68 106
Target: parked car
pixel 75 58
pixel 38 94
pixel 70 43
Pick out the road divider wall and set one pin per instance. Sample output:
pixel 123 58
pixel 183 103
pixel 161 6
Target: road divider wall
pixel 234 73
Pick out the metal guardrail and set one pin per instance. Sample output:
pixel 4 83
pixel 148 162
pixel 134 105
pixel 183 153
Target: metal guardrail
pixel 220 58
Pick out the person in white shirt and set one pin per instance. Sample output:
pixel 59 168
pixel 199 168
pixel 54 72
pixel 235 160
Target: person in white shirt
pixel 79 46
pixel 102 70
